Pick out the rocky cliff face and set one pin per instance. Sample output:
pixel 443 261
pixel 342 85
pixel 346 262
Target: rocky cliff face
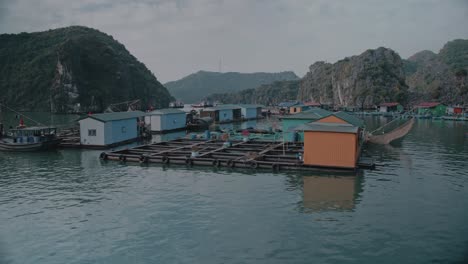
pixel 441 77
pixel 373 77
pixel 73 69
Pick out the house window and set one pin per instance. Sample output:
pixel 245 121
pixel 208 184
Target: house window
pixel 91 132
pixel 124 129
pixel 174 121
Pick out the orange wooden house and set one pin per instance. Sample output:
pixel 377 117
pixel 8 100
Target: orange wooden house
pixel 333 141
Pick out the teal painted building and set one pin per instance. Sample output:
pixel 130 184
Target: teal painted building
pixel 431 108
pixel 292 121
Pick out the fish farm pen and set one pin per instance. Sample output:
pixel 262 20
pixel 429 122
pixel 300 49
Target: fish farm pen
pixel 254 154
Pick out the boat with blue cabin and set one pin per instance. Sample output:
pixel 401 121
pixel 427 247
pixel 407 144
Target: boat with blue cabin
pixel 29 139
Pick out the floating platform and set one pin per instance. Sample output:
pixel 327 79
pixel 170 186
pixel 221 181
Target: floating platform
pixel 217 153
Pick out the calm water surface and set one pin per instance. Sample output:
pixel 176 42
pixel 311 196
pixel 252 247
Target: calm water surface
pixel 69 207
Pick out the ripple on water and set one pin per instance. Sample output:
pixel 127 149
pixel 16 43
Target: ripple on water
pixel 68 206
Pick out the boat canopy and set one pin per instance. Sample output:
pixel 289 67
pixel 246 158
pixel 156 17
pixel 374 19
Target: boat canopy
pixel 33 131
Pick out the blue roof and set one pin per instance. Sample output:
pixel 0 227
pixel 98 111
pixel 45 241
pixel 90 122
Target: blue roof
pixel 106 117
pixel 250 106
pixel 223 107
pixel 166 111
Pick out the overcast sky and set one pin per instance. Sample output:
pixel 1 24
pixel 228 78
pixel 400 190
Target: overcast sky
pixel 177 37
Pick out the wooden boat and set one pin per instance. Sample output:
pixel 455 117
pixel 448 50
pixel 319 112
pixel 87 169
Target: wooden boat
pixel 395 134
pixel 176 104
pixel 30 139
pixel 202 105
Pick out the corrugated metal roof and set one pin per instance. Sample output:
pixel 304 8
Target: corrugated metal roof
pixel 312 114
pixel 328 127
pixel 427 104
pixel 106 117
pixel 250 105
pixel 224 107
pixel 166 111
pixel 350 119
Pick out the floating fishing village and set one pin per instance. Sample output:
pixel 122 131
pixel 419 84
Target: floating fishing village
pixel 158 131
pixel 310 136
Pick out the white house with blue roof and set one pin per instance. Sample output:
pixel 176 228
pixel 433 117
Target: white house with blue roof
pixel 110 129
pixel 250 111
pixel 165 120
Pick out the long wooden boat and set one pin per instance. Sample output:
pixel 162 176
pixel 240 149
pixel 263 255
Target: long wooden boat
pixel 30 139
pixel 202 104
pixel 395 134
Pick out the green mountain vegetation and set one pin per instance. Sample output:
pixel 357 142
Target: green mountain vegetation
pixel 364 80
pixel 439 77
pixel 198 86
pixel 73 69
pixel 267 94
pixel 373 77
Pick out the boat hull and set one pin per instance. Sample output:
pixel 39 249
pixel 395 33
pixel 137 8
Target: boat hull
pixel 27 147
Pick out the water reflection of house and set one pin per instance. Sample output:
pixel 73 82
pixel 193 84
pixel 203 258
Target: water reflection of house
pixel 323 193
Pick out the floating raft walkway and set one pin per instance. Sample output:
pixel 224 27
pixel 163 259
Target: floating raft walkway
pixel 217 153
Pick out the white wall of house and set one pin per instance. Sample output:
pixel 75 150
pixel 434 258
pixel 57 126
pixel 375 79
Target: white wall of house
pixel 225 115
pixel 154 121
pixel 98 133
pixel 383 109
pixel 249 112
pixel 87 136
pixel 121 130
pixel 166 122
pixel 173 121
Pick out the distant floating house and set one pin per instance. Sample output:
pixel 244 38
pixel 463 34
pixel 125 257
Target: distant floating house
pixel 166 120
pixel 285 107
pixel 455 110
pixel 431 108
pixel 223 113
pixel 390 107
pixel 298 108
pixel 251 111
pixel 333 141
pixel 110 129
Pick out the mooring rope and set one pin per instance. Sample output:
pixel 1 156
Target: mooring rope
pixel 384 125
pixel 18 113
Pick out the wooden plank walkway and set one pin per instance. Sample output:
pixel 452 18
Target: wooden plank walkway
pixel 251 154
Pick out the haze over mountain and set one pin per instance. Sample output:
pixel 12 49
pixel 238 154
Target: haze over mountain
pixel 175 38
pixel 373 77
pixel 73 69
pixel 197 86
